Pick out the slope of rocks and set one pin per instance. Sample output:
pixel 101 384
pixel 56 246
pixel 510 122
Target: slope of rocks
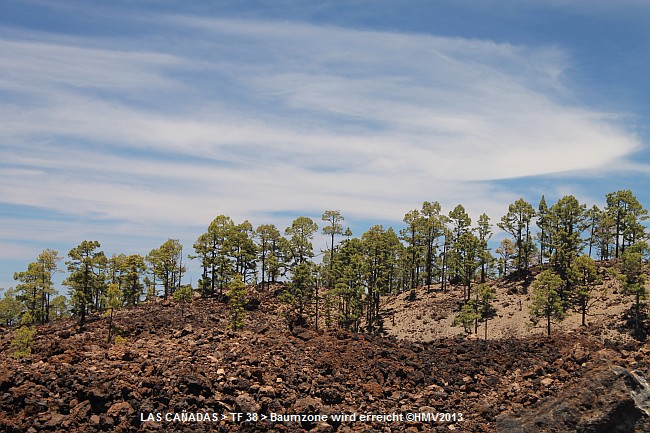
pixel 431 314
pixel 611 399
pixel 184 360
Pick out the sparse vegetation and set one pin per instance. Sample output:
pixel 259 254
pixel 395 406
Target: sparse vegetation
pixel 10 309
pixel 467 316
pixel 434 250
pixel 22 341
pixel 634 280
pixel 547 303
pixel 237 301
pixel 113 302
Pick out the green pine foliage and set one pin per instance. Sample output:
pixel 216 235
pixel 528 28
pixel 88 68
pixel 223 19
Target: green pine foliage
pixel 183 294
pixel 87 281
pixel 467 316
pixel 237 301
pixel 546 301
pixel 10 309
pixel 36 287
pixel 299 292
pixel 486 294
pixel 517 223
pixel 300 236
pixel 585 281
pixel 634 279
pixel 567 223
pixel 432 249
pixel 113 302
pixel 22 341
pixel 166 266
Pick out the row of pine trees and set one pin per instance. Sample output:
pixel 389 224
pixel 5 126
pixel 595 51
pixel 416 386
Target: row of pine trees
pixel 344 287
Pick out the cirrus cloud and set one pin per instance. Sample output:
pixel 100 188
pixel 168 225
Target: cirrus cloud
pixel 253 118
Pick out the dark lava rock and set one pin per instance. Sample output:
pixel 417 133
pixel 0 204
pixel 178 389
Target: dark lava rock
pixel 607 400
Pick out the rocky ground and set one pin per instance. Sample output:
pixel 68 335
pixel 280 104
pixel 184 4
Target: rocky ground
pixel 182 364
pixel 431 314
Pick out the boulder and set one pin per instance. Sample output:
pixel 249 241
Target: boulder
pixel 606 400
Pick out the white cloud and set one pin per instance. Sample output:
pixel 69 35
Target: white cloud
pixel 258 118
pixel 41 64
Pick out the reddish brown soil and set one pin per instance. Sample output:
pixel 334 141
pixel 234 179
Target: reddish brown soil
pixel 175 361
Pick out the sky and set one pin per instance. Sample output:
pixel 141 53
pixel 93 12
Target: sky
pixel 131 122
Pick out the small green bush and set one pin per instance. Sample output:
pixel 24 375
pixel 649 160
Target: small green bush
pixel 22 341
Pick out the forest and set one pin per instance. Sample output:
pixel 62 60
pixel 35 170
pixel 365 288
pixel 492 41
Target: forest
pixel 343 287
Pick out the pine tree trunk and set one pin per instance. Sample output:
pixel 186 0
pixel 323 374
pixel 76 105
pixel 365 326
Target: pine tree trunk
pixel 636 315
pixel 317 299
pixel 263 266
pixel 110 327
pixel 444 259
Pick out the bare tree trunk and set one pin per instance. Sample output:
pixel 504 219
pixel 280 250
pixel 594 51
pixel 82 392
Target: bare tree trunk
pixel 110 326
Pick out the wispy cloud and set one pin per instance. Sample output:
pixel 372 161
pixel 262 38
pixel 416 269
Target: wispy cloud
pixel 249 118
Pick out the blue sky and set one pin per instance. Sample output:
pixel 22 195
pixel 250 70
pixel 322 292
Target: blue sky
pixel 133 122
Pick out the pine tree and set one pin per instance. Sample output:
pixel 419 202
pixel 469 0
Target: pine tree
pixel 444 255
pixel 586 279
pixel 543 224
pixel 592 217
pixel 349 275
pixel 36 287
pixel 22 341
pixel 517 223
pixel 166 265
pixel 183 295
pixel 634 279
pixel 432 229
pixel 567 217
pixel 87 278
pixel 59 307
pixel 221 268
pixel 113 302
pixel 381 251
pixel 334 218
pixel 484 231
pixel 301 234
pixel 604 235
pixel 460 223
pixel 506 250
pixel 299 292
pixel 203 252
pixel 486 294
pixel 28 289
pixel 469 250
pixel 546 301
pixel 133 270
pixel 237 302
pixel 413 238
pixel 243 249
pixel 467 316
pixel 352 308
pixel 267 236
pixel 10 309
pixel 627 213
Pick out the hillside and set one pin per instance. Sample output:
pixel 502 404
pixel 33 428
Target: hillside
pixel 431 314
pixel 183 364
